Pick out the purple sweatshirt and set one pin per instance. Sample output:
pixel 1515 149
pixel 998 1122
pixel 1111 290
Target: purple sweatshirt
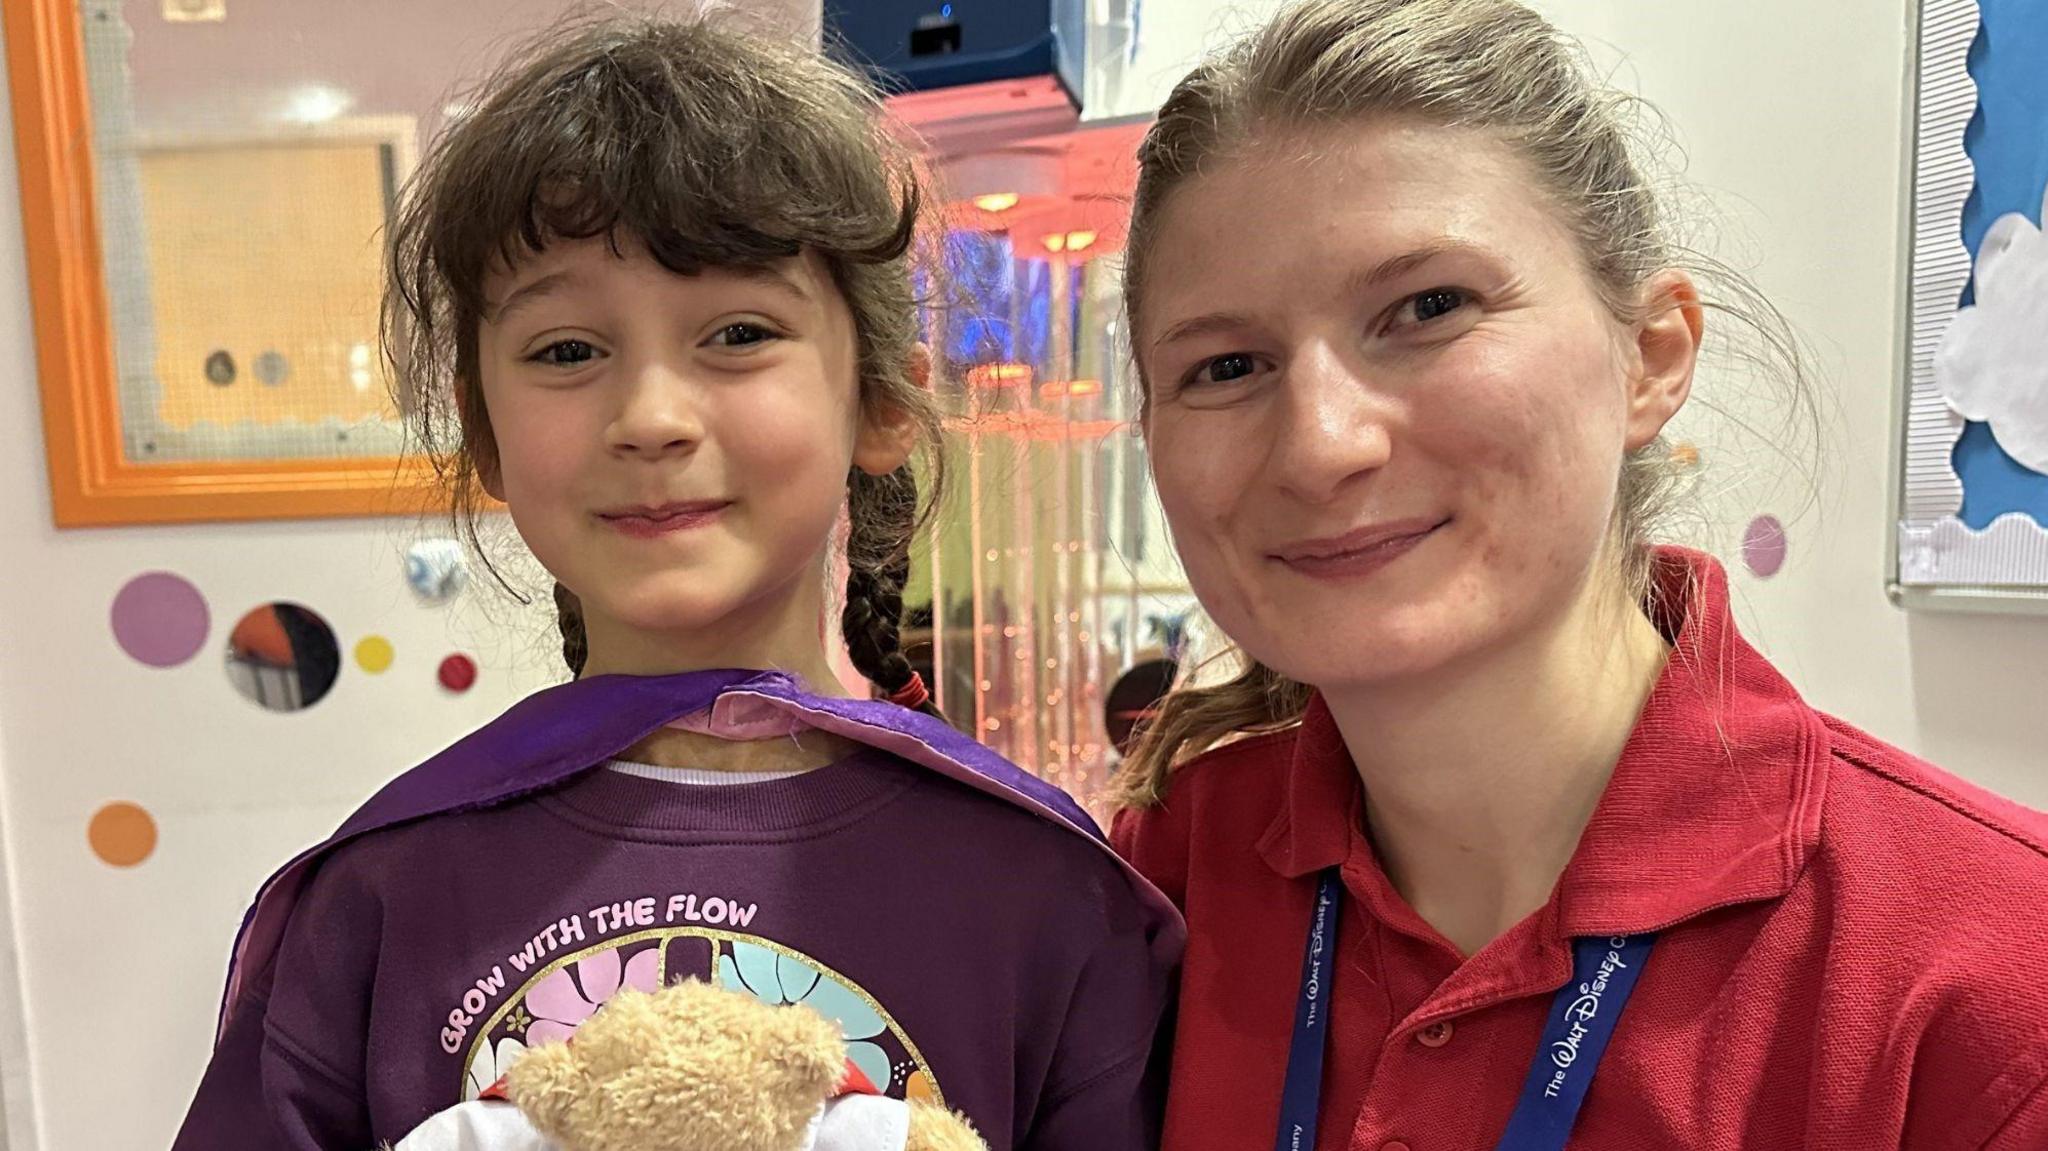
pixel 973 950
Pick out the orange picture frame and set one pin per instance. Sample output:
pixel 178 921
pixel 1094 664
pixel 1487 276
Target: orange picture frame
pixel 92 482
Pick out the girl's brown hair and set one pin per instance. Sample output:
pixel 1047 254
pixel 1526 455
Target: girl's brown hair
pixel 1492 65
pixel 713 144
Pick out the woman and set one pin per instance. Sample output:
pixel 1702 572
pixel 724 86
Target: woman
pixel 1503 802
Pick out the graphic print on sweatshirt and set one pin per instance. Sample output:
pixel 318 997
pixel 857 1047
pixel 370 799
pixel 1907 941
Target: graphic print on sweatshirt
pixel 546 990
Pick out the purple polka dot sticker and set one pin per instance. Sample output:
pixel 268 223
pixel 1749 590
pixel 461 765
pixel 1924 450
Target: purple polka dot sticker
pixel 1763 546
pixel 160 619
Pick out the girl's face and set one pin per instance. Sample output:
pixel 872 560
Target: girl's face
pixel 674 449
pixel 1387 409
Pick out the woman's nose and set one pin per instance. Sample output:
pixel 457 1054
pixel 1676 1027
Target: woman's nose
pixel 1333 426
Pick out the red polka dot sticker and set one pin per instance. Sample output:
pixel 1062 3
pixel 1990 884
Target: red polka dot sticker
pixel 160 619
pixel 1763 546
pixel 458 673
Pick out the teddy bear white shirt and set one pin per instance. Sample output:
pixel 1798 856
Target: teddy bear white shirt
pixel 848 1123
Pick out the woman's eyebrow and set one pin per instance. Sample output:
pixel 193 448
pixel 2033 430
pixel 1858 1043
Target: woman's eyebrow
pixel 1394 267
pixel 1391 268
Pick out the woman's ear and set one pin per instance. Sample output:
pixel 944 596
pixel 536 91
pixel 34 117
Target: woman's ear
pixel 1667 348
pixel 888 433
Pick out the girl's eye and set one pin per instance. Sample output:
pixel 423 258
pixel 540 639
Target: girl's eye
pixel 741 335
pixel 1223 369
pixel 1423 307
pixel 565 354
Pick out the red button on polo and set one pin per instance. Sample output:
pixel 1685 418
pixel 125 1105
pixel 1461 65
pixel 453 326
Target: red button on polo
pixel 1434 1035
pixel 1396 1145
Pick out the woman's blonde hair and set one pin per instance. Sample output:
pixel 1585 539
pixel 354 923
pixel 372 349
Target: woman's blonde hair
pixel 1490 65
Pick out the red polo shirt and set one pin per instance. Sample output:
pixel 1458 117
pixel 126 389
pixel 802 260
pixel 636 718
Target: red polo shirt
pixel 1851 954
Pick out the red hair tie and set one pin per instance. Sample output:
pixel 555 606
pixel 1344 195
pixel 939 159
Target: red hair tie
pixel 912 695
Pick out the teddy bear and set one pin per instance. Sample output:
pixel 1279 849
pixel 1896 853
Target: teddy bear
pixel 692 1067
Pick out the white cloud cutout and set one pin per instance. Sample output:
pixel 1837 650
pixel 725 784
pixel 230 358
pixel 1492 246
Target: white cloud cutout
pixel 1993 361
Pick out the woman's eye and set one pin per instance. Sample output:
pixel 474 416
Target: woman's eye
pixel 1436 302
pixel 565 353
pixel 741 335
pixel 1223 369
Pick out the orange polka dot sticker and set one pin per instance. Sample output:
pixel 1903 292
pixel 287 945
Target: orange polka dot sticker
pixel 122 835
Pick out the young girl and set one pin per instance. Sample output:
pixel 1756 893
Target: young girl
pixel 661 270
pixel 1526 845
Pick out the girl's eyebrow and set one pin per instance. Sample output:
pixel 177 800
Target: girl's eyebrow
pixel 771 276
pixel 556 283
pixel 532 292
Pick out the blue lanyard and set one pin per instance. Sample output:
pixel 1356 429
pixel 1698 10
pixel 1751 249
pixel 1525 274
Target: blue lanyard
pixel 1576 1030
pixel 1302 1090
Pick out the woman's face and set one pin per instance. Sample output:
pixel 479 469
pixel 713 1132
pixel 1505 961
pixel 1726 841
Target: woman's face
pixel 1387 409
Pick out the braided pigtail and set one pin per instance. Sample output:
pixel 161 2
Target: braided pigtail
pixel 569 618
pixel 882 511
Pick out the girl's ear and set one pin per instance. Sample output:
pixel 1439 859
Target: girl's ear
pixel 487 472
pixel 888 434
pixel 477 437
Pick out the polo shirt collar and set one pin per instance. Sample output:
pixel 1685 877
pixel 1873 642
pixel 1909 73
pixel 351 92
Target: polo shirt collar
pixel 1716 799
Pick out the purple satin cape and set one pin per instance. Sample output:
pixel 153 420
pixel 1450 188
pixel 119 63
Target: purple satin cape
pixel 557 734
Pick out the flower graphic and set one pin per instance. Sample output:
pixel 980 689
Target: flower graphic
pixel 573 993
pixel 779 980
pixel 489 1065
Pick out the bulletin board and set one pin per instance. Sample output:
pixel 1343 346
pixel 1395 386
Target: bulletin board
pixel 1971 475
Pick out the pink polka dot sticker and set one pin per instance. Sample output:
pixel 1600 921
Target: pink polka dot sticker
pixel 1763 546
pixel 160 619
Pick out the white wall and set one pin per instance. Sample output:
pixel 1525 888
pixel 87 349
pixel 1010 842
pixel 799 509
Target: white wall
pixel 121 971
pixel 1793 115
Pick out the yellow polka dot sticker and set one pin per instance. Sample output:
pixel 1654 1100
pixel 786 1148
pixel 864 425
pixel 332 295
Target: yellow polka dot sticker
pixel 374 654
pixel 122 834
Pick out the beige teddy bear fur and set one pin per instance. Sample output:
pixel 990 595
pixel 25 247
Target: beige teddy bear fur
pixel 692 1068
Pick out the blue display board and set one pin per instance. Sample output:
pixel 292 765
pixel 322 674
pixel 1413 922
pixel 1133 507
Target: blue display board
pixel 1972 527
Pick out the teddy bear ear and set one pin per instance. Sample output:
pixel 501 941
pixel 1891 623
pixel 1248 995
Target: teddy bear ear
pixel 933 1128
pixel 809 1047
pixel 689 1066
pixel 546 1084
pixel 794 1045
